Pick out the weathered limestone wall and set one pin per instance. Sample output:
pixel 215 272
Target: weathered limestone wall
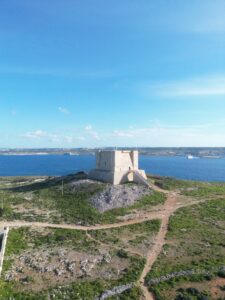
pixel 105 160
pixel 124 161
pixel 117 167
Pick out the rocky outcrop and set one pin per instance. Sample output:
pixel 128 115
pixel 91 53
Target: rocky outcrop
pixel 115 196
pixel 58 265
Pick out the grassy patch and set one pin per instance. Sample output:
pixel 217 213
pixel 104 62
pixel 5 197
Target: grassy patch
pixel 134 235
pixel 83 289
pixel 170 183
pixel 88 290
pixel 24 237
pixel 208 190
pixel 153 199
pixel 134 294
pixel 17 240
pixel 44 201
pixel 193 243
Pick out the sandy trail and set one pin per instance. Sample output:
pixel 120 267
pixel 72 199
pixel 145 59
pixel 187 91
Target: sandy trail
pixel 145 217
pixel 159 242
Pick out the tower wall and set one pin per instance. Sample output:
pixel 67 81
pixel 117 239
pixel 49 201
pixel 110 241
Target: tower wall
pixel 116 166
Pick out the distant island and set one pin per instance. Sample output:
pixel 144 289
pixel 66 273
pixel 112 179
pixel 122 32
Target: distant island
pixel 207 152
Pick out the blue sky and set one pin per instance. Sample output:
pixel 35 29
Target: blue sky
pixel 84 73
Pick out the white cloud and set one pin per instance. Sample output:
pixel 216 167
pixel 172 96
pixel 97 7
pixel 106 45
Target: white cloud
pixel 37 134
pixel 54 138
pixel 40 135
pixel 88 127
pixel 95 135
pixel 162 135
pixel 43 136
pixel 64 110
pixel 69 139
pixel 91 132
pixel 72 139
pixel 122 133
pixel 155 134
pixel 80 138
pixel 193 87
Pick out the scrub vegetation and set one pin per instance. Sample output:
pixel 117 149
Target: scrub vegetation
pixel 53 241
pixel 42 199
pixel 190 188
pixel 194 253
pixel 53 263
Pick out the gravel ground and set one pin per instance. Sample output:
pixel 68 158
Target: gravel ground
pixel 115 196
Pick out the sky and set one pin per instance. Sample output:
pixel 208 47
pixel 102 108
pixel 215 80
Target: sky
pixel 84 73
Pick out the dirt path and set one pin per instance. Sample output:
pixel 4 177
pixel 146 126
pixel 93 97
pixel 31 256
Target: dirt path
pixel 159 214
pixel 164 214
pixel 159 242
pixel 145 217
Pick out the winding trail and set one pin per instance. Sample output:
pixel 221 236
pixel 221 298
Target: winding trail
pixel 145 217
pixel 163 214
pixel 158 244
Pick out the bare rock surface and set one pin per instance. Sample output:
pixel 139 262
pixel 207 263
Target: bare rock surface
pixel 115 196
pixel 39 269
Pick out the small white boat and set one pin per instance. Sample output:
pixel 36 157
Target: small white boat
pixel 190 156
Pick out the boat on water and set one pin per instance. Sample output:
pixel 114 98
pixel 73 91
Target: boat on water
pixel 190 156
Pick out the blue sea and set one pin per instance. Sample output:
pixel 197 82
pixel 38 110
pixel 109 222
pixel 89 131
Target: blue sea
pixel 204 169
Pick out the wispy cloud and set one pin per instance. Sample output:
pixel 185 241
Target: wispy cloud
pixel 64 110
pixel 163 135
pixel 192 87
pixel 88 127
pixel 155 134
pixel 37 134
pixel 91 132
pixel 122 133
pixel 73 139
pixel 95 135
pixel 69 137
pixel 40 134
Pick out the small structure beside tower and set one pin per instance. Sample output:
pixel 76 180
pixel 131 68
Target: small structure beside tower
pixel 118 166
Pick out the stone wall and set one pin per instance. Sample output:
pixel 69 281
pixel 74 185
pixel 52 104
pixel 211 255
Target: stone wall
pixel 4 236
pixel 105 160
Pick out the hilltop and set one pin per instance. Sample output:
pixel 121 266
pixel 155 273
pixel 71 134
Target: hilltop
pixel 166 244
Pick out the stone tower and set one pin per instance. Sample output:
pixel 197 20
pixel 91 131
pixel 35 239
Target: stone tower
pixel 117 167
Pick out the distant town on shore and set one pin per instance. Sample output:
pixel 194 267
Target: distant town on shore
pixel 211 152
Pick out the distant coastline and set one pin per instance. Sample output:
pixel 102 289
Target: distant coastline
pixel 200 152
